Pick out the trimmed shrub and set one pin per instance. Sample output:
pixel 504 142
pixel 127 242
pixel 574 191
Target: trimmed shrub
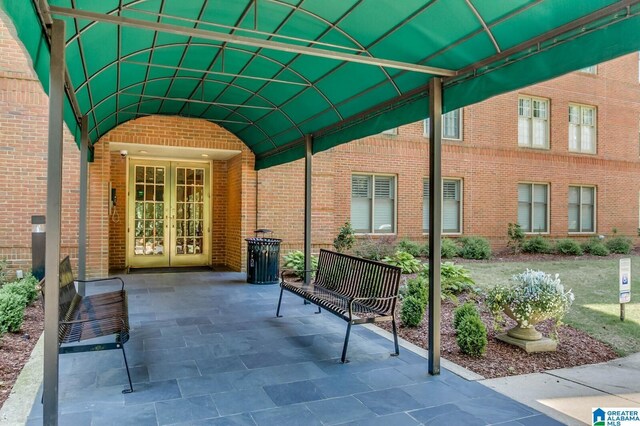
pixel 595 247
pixel 475 248
pixel 295 260
pixel 621 245
pixel 25 288
pixel 411 247
pixel 454 279
pixel 569 247
pixel 11 312
pixel 412 312
pixel 536 244
pixel 404 260
pixel 418 288
pixel 462 312
pixel 449 248
pixel 471 336
pixel 377 249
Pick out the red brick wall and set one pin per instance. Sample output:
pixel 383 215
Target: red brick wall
pixel 23 157
pixel 228 181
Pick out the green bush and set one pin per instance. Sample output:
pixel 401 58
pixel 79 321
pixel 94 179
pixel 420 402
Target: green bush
pixel 11 312
pixel 25 288
pixel 454 279
pixel 536 244
pixel 475 248
pixel 595 247
pixel 418 287
pixel 462 312
pixel 621 245
pixel 406 262
pixel 374 249
pixel 449 248
pixel 411 247
pixel 569 247
pixel 424 250
pixel 412 311
pixel 471 336
pixel 3 271
pixel 295 260
pixel 345 239
pixel 516 237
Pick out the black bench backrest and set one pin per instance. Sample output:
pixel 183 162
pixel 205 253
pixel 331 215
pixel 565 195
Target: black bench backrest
pixel 356 277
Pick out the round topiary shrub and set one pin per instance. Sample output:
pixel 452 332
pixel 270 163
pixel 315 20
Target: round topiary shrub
pixel 11 312
pixel 472 336
pixel 462 312
pixel 621 245
pixel 536 244
pixel 595 247
pixel 569 247
pixel 475 248
pixel 418 288
pixel 412 312
pixel 411 247
pixel 449 248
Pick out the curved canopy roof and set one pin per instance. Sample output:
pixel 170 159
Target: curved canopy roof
pixel 271 71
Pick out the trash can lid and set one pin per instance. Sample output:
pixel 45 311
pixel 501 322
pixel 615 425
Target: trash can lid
pixel 263 231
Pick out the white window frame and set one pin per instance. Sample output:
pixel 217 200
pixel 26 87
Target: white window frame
pixel 373 196
pixel 595 210
pixel 593 70
pixel 460 208
pixel 426 122
pixel 581 107
pixel 548 209
pixel 393 131
pixel 531 118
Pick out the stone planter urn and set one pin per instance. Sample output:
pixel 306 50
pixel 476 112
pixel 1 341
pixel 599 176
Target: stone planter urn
pixel 528 331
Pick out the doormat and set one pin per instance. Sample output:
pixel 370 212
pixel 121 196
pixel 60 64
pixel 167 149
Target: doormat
pixel 170 270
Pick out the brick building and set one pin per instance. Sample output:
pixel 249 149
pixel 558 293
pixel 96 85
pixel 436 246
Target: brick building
pixel 561 157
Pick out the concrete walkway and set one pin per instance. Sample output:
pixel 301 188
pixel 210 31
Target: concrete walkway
pixel 569 394
pixel 206 348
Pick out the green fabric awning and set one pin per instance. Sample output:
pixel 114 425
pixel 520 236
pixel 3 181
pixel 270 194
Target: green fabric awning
pixel 271 71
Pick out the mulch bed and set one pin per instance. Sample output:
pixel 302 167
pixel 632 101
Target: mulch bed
pixel 575 347
pixel 15 348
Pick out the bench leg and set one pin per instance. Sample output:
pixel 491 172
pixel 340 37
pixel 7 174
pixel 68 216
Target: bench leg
pixel 126 364
pixel 279 302
pixel 346 344
pixel 395 338
pixel 319 310
pixel 306 302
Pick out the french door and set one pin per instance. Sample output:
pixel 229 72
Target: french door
pixel 169 214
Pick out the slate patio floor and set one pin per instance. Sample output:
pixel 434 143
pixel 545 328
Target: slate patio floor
pixel 206 349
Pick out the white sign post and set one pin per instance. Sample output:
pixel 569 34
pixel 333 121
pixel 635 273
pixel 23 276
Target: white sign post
pixel 625 284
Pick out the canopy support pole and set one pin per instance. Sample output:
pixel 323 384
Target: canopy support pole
pixel 54 215
pixel 435 221
pixel 82 232
pixel 308 141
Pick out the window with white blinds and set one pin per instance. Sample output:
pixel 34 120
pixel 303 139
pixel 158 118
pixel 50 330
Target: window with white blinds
pixel 533 207
pixel 582 209
pixel 393 131
pixel 451 125
pixel 373 204
pixel 582 128
pixel 451 206
pixel 533 122
pixel 593 69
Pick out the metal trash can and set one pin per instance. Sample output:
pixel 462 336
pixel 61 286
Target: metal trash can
pixel 263 259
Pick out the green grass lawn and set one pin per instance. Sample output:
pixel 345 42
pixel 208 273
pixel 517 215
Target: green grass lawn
pixel 595 284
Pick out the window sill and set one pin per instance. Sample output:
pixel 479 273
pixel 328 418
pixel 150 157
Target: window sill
pixel 447 234
pixel 537 233
pixel 579 233
pixel 376 234
pixel 546 148
pixel 583 152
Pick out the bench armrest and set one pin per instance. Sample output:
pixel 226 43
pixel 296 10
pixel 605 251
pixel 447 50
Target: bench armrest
pixel 103 279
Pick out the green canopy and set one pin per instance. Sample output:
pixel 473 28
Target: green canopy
pixel 271 71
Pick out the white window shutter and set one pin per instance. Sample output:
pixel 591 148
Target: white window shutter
pixel 361 203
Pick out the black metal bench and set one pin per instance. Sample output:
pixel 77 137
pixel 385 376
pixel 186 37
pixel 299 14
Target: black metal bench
pixel 87 317
pixel 357 290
